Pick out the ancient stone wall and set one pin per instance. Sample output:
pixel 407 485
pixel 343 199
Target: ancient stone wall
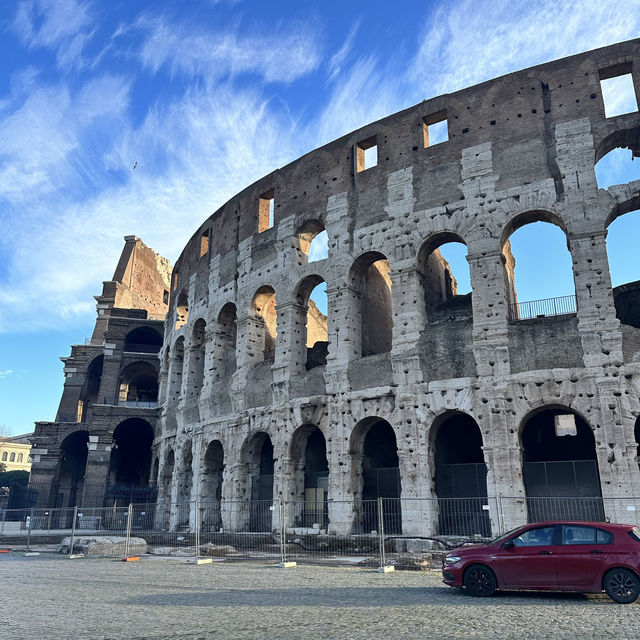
pixel 407 358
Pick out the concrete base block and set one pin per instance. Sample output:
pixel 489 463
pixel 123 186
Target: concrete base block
pixel 286 565
pixel 387 569
pixel 200 561
pixel 73 556
pixel 31 553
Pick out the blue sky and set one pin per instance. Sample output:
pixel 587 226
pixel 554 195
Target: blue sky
pixel 206 96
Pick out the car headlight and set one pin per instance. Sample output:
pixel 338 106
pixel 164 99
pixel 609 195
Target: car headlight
pixel 451 559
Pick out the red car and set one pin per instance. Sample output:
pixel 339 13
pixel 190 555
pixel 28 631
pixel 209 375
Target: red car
pixel 554 556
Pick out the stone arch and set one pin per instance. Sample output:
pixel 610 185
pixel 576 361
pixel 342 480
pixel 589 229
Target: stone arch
pixel 460 480
pixel 615 134
pixel 310 477
pixel 138 385
pixel 143 340
pixel 373 319
pixel 225 347
pixel 263 310
pixel 376 473
pixel 130 462
pixel 176 370
pixel 90 388
pixel 311 322
pixel 182 309
pixel 257 457
pixel 311 234
pixel 197 358
pixel 438 281
pixel 559 460
pixel 212 467
pixel 519 309
pixel 71 469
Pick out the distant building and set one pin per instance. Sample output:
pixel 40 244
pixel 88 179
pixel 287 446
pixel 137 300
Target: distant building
pixel 15 452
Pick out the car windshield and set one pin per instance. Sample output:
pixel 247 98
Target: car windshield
pixel 502 536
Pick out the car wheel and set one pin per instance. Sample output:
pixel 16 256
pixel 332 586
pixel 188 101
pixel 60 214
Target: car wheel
pixel 479 580
pixel 622 585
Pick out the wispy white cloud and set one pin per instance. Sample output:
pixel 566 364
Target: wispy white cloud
pixel 61 25
pixel 337 60
pixel 282 54
pixel 463 43
pixel 5 374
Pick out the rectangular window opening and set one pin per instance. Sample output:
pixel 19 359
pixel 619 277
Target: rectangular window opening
pixel 618 92
pixel 435 129
pixel 165 297
pixel 266 211
pixel 204 243
pixel 366 154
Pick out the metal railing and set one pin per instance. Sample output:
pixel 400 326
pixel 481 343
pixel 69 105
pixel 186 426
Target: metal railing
pixel 375 533
pixel 545 308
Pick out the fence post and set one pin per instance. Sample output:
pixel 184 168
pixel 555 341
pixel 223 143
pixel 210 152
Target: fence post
pixel 383 568
pixel 73 530
pixel 282 512
pixel 197 518
pixel 128 534
pixel 29 523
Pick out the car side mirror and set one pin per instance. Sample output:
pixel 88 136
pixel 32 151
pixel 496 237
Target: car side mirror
pixel 509 544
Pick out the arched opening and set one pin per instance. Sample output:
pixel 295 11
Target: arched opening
pixel 196 359
pixel 259 464
pixel 12 457
pixel 377 474
pixel 559 461
pixel 443 266
pixel 143 340
pixel 185 484
pixel 167 475
pixel 225 352
pixel 313 241
pixel 177 366
pixel 312 301
pixel 138 386
pixel 264 313
pixel 372 285
pixel 182 310
pixel 623 236
pixel 90 389
pixel 538 268
pixel 71 469
pixel 211 485
pixel 461 477
pixel 618 166
pixel 130 463
pixel 311 477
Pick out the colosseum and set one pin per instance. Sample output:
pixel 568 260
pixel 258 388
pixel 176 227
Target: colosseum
pixel 399 388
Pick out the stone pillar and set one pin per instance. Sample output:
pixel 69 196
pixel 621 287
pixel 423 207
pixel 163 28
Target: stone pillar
pixel 599 328
pixel 490 329
pixel 96 471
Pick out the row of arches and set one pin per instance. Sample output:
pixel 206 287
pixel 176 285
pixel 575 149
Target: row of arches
pixel 11 457
pixel 370 287
pixel 558 459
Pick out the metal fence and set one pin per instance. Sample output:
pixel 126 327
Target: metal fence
pixel 377 533
pixel 547 307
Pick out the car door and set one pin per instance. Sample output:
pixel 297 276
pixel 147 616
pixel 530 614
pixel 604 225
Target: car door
pixel 582 556
pixel 528 560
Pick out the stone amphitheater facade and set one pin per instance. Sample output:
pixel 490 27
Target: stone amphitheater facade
pixel 251 403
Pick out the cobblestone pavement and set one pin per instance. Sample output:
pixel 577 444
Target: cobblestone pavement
pixel 53 597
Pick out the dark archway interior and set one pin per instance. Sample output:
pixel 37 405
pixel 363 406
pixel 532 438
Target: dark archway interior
pixel 143 340
pixel 315 455
pixel 556 466
pixel 461 478
pixel 138 383
pixel 461 471
pixel 91 387
pixel 212 472
pixel 380 473
pixel 541 444
pixel 73 458
pixel 131 453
